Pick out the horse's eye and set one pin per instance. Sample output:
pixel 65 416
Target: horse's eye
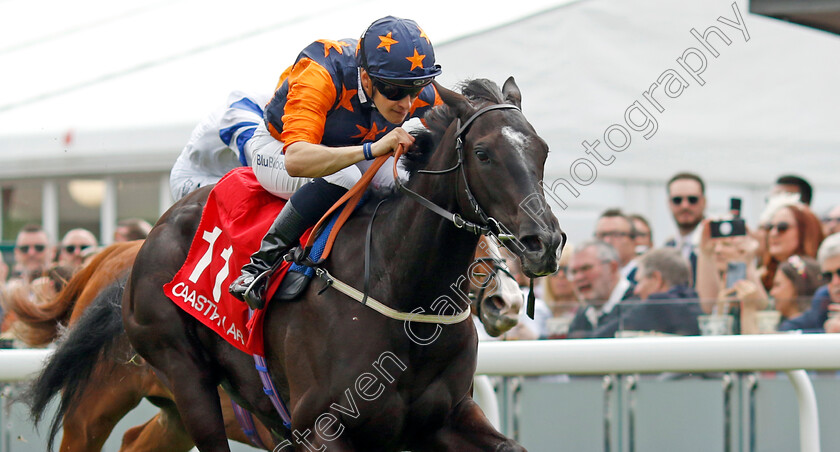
pixel 482 156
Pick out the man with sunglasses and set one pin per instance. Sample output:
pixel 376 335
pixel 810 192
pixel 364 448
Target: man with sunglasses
pixel 33 253
pixel 831 221
pixel 687 201
pixel 339 106
pixel 824 314
pixel 75 246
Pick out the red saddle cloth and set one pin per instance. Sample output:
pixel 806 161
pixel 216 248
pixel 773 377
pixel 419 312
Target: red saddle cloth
pixel 236 217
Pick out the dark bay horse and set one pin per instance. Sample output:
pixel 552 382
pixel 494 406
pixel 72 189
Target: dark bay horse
pixel 353 379
pixel 100 380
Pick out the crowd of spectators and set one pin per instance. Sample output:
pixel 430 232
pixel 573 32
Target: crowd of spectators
pixel 41 266
pixel 717 275
pixel 781 274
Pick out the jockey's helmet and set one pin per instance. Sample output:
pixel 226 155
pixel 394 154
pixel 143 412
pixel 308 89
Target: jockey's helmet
pixel 397 52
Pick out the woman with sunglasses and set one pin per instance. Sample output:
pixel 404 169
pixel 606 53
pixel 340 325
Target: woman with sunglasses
pixel 792 230
pixel 339 106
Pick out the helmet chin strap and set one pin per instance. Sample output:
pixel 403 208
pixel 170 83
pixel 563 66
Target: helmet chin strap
pixel 368 96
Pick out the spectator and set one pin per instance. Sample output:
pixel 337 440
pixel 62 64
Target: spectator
pixel 595 273
pixel 616 229
pixel 667 304
pixel 33 253
pixel 713 257
pixel 527 328
pixel 796 185
pixel 687 201
pixel 831 221
pixel 558 291
pixel 75 246
pixel 644 234
pixel 773 204
pixel 826 298
pixel 793 230
pixel 561 297
pixel 132 229
pixel 795 283
pixel 4 270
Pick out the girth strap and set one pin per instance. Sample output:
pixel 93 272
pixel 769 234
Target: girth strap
pixel 246 421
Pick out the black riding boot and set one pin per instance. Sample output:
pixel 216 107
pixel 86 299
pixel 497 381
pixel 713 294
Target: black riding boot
pixel 283 234
pixel 312 200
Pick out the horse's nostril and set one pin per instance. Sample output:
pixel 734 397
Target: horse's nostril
pixel 498 302
pixel 493 305
pixel 532 243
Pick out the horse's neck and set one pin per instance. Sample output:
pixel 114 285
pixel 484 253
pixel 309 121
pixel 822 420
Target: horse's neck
pixel 428 255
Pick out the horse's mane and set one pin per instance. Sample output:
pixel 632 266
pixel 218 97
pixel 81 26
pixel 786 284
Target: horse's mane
pixel 478 91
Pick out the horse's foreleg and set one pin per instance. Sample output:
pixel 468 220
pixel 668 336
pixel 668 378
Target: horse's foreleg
pixel 469 430
pixel 196 396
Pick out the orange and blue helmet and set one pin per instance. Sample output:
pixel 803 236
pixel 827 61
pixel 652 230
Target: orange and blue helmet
pixel 397 51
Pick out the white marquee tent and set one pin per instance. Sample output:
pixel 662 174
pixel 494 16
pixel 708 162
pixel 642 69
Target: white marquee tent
pixel 91 87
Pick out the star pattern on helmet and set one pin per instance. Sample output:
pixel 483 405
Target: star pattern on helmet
pixel 423 35
pixel 386 41
pixel 416 60
pixel 328 44
pixel 346 98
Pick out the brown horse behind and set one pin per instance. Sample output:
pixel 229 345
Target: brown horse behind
pixel 118 380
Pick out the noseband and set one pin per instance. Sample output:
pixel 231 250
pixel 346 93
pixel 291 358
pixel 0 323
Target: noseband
pixel 497 264
pixel 490 225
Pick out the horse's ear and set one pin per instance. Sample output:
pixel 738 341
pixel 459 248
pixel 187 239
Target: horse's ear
pixel 511 92
pixel 456 101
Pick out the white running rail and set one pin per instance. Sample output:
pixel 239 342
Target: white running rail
pixel 788 353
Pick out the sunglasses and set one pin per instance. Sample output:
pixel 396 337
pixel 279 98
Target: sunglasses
pixel 781 226
pixel 826 276
pixel 72 248
pixel 611 234
pixel 38 248
pixel 677 200
pixel 393 91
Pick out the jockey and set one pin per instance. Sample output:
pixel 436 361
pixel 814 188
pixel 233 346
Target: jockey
pixel 217 143
pixel 339 106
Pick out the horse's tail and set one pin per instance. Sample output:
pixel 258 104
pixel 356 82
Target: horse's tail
pixel 38 323
pixel 90 341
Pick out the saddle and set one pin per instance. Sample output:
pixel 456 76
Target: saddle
pixel 237 214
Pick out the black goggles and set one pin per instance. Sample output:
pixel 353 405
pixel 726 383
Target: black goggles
pixel 393 91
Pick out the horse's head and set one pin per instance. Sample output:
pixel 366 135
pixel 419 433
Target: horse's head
pixel 496 297
pixel 503 163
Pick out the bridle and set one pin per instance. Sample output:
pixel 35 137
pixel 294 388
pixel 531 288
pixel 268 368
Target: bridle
pixel 497 264
pixel 490 225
